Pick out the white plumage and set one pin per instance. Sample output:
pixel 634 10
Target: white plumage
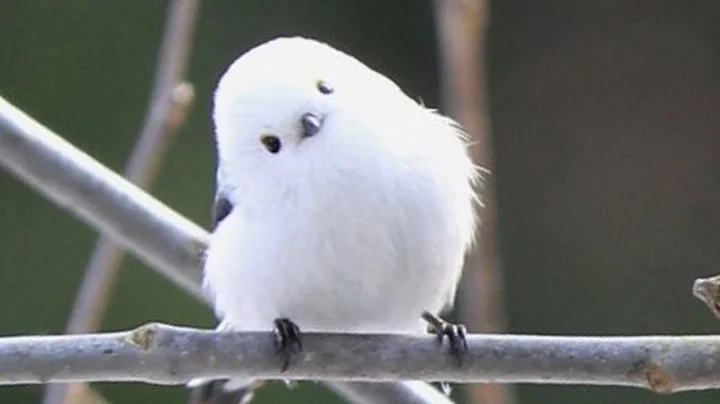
pixel 358 228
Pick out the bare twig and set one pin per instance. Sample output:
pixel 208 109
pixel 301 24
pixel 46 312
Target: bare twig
pixel 166 241
pixel 168 107
pixel 164 354
pixel 76 182
pixel 461 30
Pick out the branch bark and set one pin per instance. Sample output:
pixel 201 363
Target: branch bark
pixel 160 237
pixel 164 354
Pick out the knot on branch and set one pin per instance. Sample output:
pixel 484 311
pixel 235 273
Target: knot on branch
pixel 659 380
pixel 144 336
pixel 708 291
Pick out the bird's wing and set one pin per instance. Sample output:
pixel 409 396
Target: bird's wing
pixel 221 203
pixel 220 391
pixel 221 208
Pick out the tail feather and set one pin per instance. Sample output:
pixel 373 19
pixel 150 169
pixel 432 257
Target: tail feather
pixel 222 391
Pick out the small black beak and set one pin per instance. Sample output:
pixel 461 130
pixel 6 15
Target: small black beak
pixel 311 124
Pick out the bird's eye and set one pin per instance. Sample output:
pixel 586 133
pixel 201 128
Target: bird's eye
pixel 324 87
pixel 271 143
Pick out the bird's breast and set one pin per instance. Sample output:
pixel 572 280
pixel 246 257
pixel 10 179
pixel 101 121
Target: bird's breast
pixel 348 252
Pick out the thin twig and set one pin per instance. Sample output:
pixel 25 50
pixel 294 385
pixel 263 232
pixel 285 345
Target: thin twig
pixel 165 354
pixel 461 30
pixel 101 198
pixel 165 240
pixel 169 104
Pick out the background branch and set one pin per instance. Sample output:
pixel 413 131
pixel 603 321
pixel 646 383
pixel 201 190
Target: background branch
pixel 160 237
pixel 106 257
pixel 165 240
pixel 164 354
pixel 461 30
pixel 168 107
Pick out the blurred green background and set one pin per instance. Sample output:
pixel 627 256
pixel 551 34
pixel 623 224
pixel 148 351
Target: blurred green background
pixel 606 120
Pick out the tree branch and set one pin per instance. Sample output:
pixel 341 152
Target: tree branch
pixel 107 202
pixel 164 354
pixel 163 239
pixel 167 354
pixel 106 257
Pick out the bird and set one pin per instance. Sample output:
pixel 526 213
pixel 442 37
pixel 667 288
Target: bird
pixel 341 204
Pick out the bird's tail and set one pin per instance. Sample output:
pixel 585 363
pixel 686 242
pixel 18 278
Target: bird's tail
pixel 223 391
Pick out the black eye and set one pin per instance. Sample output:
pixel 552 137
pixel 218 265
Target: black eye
pixel 324 87
pixel 271 143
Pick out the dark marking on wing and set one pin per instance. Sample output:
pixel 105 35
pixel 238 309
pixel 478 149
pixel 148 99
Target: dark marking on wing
pixel 221 209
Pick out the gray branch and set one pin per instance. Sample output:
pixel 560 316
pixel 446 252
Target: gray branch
pixel 172 355
pixel 165 240
pixel 163 354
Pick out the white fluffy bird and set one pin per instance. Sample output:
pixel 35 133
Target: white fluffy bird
pixel 342 204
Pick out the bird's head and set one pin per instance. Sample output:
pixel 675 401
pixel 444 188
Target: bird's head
pixel 291 103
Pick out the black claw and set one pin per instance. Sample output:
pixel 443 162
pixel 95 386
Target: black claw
pixel 287 339
pixel 455 333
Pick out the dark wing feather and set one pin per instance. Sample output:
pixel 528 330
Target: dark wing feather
pixel 213 392
pixel 221 209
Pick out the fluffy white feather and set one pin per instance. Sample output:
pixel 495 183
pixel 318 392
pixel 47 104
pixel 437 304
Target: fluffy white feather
pixel 358 228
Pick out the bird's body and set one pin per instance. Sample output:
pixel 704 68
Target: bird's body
pixel 357 226
pixel 385 231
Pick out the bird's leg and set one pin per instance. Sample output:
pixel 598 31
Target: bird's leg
pixel 455 333
pixel 287 339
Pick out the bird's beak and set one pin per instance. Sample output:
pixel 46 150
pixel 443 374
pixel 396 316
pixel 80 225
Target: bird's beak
pixel 311 124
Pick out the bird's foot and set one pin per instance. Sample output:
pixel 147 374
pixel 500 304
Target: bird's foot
pixel 455 334
pixel 287 340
